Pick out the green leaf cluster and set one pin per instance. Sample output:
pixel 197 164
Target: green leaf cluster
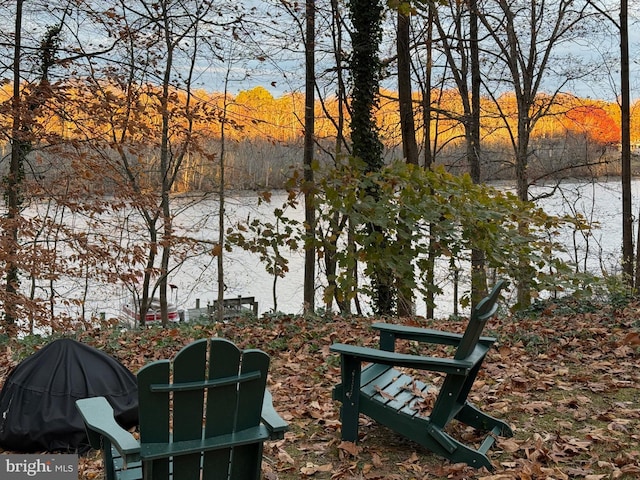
pixel 268 238
pixel 421 215
pixel 401 219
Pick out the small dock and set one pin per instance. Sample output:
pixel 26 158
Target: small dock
pixel 233 307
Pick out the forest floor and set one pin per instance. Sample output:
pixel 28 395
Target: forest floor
pixel 566 378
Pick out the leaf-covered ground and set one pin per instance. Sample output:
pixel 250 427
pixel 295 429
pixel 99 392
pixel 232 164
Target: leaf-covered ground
pixel 567 381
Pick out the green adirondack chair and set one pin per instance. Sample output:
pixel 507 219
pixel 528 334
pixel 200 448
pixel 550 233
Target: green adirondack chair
pixel 394 398
pixel 204 415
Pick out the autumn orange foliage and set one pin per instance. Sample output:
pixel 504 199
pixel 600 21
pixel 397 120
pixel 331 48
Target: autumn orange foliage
pixel 594 122
pixel 257 114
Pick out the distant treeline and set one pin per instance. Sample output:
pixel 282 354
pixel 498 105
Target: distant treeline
pixel 263 137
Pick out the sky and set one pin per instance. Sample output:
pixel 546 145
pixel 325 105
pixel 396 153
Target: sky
pixel 603 82
pixel 285 71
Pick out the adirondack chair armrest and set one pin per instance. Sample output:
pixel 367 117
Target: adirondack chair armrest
pixel 274 422
pixel 373 355
pixel 98 417
pixel 390 332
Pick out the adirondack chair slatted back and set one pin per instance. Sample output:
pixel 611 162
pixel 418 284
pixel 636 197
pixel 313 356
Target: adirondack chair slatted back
pixel 485 309
pixel 211 388
pixel 455 389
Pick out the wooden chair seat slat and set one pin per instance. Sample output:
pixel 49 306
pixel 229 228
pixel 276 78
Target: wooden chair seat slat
pixel 401 393
pixel 380 383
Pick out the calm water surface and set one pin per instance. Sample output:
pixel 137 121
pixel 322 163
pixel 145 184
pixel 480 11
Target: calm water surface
pixel 599 202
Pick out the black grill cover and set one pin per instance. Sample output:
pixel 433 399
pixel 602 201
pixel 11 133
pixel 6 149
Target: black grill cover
pixel 37 403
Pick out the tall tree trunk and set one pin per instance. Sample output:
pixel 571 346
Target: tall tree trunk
pixel 165 166
pixel 409 144
pixel 522 183
pixel 24 112
pixel 220 247
pixel 366 36
pixel 478 273
pixel 337 223
pixel 428 157
pixel 627 218
pixel 473 144
pixel 426 89
pixel 143 305
pixel 463 59
pixel 365 73
pixel 405 99
pixel 13 183
pixel 309 187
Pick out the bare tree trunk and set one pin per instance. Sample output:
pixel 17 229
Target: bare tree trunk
pixel 337 223
pixel 12 183
pixel 522 183
pixel 142 306
pixel 463 59
pixel 23 122
pixel 478 273
pixel 426 90
pixel 221 205
pixel 165 182
pixel 405 100
pixel 428 157
pixel 409 144
pixel 309 134
pixel 625 105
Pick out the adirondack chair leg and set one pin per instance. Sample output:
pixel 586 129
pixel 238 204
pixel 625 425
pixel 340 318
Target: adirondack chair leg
pixel 148 471
pixel 350 409
pixel 244 470
pixel 456 451
pixel 474 417
pixel 107 457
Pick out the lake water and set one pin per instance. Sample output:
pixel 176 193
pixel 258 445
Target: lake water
pixel 601 204
pixel 245 276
